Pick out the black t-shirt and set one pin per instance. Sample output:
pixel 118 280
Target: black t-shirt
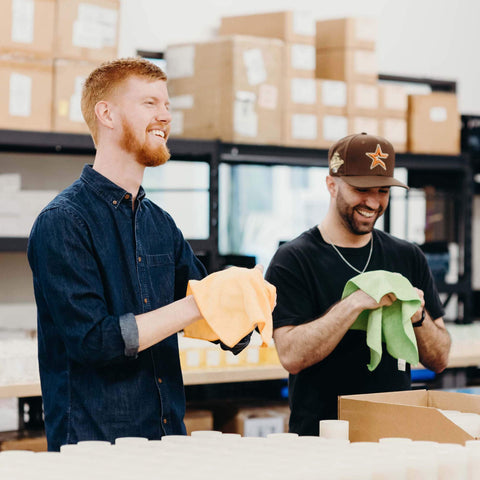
pixel 310 277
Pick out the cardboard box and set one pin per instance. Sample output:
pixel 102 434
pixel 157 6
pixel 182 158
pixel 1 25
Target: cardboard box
pixel 229 88
pixel 363 99
pixel 352 32
pixel 300 60
pixel 198 420
pixel 434 124
pixel 258 421
pixel 413 414
pixel 27 28
pixel 289 26
pixel 332 97
pixel 302 94
pixel 34 441
pixel 68 79
pixel 302 128
pixel 333 127
pixel 350 65
pixel 364 123
pixel 395 131
pixel 25 94
pixel 314 95
pixel 314 129
pixel 393 100
pixel 87 29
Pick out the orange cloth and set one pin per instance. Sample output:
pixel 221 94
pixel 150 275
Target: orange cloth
pixel 232 302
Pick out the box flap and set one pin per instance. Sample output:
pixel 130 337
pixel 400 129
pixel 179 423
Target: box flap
pixel 412 414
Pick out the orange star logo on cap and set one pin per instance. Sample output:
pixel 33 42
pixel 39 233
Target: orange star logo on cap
pixel 377 158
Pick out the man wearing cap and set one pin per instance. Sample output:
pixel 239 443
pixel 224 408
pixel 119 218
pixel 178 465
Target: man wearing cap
pixel 325 358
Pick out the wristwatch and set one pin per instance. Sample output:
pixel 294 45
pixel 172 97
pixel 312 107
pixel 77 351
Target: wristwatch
pixel 420 322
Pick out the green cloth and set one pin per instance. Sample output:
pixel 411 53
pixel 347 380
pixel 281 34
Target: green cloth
pixel 391 325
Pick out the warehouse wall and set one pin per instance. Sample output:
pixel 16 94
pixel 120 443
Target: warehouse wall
pixel 426 38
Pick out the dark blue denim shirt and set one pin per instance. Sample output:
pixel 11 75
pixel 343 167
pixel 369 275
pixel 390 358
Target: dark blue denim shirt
pixel 96 263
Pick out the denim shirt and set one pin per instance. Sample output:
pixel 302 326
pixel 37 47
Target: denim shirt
pixel 96 263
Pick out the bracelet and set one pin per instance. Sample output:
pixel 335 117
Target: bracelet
pixel 419 323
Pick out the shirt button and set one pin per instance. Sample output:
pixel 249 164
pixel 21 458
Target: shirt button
pixel 139 259
pixel 164 420
pixel 159 380
pixel 114 202
pixel 145 300
pixel 127 196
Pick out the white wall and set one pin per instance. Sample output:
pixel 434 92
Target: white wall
pixel 420 38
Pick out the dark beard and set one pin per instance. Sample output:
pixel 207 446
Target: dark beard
pixel 347 215
pixel 144 155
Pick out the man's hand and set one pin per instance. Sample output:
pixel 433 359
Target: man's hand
pixel 366 302
pixel 418 314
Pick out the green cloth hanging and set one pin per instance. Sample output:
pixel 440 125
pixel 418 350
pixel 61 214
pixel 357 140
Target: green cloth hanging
pixel 391 325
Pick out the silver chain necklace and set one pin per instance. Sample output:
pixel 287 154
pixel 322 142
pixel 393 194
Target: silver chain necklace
pixel 346 261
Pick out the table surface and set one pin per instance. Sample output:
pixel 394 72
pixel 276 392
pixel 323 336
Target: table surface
pixel 459 358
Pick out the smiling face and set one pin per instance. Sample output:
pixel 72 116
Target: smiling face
pixel 143 109
pixel 359 208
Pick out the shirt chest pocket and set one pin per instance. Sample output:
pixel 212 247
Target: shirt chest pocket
pixel 161 270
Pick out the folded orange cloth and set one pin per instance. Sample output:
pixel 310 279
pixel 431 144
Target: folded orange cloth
pixel 232 303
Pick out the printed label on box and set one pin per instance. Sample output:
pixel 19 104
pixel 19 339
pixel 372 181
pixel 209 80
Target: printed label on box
pixel 245 120
pixel 366 29
pixel 180 61
pixel 334 127
pixel 261 427
pixel 304 127
pixel 75 111
pixel 366 96
pixel 302 57
pixel 181 102
pixel 95 27
pixel 365 62
pixel 334 93
pixel 253 61
pixel 268 96
pixel 23 20
pixel 365 124
pixel 20 99
pixel 176 126
pixel 395 97
pixel 438 114
pixel 303 23
pixel 304 91
pixel 395 129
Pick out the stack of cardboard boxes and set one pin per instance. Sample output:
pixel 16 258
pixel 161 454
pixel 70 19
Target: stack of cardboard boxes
pixel 228 88
pixel 346 53
pixel 280 78
pixel 297 106
pixel 47 49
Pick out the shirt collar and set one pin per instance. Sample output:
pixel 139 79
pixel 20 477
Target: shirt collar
pixel 109 191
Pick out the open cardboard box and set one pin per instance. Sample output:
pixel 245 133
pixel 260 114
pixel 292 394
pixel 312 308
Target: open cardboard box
pixel 413 414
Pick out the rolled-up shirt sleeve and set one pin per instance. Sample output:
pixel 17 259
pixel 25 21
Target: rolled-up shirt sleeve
pixel 129 329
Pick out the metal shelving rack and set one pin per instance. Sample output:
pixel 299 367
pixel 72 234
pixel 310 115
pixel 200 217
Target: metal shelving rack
pixel 453 172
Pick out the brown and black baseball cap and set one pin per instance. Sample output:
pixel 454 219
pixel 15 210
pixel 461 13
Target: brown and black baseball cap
pixel 363 161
